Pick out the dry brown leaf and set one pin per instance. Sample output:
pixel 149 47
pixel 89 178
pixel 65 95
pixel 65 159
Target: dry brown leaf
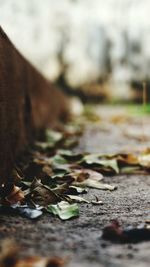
pixel 42 194
pixel 16 195
pixel 47 170
pixel 129 159
pixel 83 174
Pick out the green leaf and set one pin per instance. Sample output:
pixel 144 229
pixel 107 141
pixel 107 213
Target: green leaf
pixel 64 210
pixel 95 184
pixel 112 163
pixel 58 160
pixel 59 173
pixel 96 159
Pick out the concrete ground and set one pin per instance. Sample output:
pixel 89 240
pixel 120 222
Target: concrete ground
pixel 80 239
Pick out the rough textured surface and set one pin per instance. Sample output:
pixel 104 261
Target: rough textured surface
pixel 80 239
pixel 27 102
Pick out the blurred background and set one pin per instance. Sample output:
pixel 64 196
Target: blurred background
pixel 92 48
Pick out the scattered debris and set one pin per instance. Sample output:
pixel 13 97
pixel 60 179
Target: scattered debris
pixel 50 176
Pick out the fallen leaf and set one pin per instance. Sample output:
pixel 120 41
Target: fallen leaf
pixel 75 190
pixel 70 156
pixel 94 159
pixel 60 172
pixel 47 170
pixel 130 170
pixel 80 175
pixel 90 178
pixel 61 189
pixel 127 159
pixel 78 199
pixel 42 194
pixel 58 160
pixel 96 184
pixel 70 142
pixel 16 195
pixel 64 210
pixel 53 137
pixel 144 160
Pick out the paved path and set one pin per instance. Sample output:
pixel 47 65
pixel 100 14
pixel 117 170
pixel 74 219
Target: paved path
pixel 80 239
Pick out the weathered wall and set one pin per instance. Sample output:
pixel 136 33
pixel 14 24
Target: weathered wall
pixel 28 103
pixel 94 38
